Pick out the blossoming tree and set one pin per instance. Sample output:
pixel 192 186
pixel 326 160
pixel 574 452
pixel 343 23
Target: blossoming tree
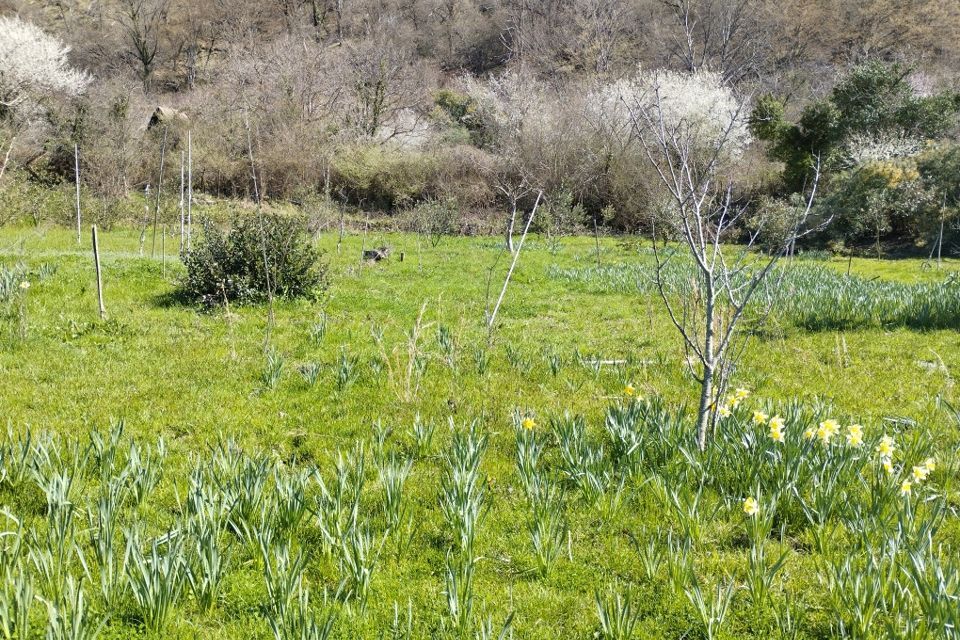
pixel 33 67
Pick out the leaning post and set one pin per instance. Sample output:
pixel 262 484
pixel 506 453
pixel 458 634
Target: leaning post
pixel 96 263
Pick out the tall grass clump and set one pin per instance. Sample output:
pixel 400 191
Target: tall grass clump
pixel 156 578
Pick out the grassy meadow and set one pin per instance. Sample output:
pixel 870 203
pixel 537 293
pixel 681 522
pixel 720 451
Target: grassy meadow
pixel 391 366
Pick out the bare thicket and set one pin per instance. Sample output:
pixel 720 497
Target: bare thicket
pixel 143 21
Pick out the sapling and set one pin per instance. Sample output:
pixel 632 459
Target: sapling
pixel 691 148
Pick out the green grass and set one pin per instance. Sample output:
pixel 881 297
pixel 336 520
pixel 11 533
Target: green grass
pixel 196 376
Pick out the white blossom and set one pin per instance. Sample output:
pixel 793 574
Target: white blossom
pixel 859 149
pixel 34 64
pixel 699 103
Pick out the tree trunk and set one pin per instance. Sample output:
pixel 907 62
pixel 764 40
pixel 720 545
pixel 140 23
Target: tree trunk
pixel 703 411
pixel 511 223
pixel 709 367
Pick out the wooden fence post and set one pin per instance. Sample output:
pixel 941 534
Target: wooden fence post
pixel 96 262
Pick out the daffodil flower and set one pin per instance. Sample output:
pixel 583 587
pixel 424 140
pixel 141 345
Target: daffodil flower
pixel 906 487
pixel 629 391
pixel 776 429
pixel 886 447
pixel 760 418
pixel 528 424
pixel 855 435
pixel 25 285
pixel 826 430
pixel 919 473
pixel 751 507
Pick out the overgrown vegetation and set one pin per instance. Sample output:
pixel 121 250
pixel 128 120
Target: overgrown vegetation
pixel 326 490
pixel 487 106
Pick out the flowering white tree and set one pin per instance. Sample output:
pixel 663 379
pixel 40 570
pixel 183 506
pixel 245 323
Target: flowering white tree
pixel 537 132
pixel 33 66
pixel 708 109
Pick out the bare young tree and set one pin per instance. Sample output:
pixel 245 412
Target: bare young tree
pixel 705 283
pixel 386 88
pixel 514 189
pixel 143 21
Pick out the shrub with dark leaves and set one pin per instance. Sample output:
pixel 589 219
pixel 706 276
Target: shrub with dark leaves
pixel 256 255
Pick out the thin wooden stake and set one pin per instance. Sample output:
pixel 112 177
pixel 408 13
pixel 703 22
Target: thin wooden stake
pixel 182 214
pixel 596 234
pixel 516 256
pixel 76 179
pixel 156 211
pixel 189 190
pixel 146 216
pixel 163 249
pixel 96 262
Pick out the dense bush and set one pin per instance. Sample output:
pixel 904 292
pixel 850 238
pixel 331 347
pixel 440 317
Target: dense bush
pixel 902 201
pixel 435 219
pixel 256 256
pixel 871 114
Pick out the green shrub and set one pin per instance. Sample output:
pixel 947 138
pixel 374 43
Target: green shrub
pixel 435 219
pixel 875 101
pixel 256 255
pixel 878 200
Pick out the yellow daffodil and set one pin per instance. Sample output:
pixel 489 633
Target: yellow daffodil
pixel 629 391
pixel 760 418
pixel 886 447
pixel 741 394
pixel 776 429
pixel 919 473
pixel 887 465
pixel 827 429
pixel 930 464
pixel 724 412
pixel 855 435
pixel 906 487
pixel 751 507
pixel 528 424
pixel 809 433
pixel 831 426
